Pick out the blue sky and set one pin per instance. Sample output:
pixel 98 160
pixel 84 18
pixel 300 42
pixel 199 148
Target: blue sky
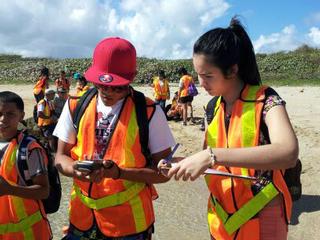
pixel 266 17
pixel 163 29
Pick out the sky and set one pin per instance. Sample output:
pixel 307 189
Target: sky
pixel 163 29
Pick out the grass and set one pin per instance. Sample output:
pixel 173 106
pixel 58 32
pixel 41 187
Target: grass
pixel 296 68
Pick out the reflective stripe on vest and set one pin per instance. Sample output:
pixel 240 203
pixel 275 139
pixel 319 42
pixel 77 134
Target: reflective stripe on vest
pixel 22 226
pixel 246 212
pixel 47 112
pixel 131 214
pixel 112 200
pixel 186 82
pixel 161 92
pixel 24 221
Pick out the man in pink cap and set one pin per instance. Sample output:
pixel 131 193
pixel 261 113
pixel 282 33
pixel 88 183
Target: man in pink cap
pixel 112 191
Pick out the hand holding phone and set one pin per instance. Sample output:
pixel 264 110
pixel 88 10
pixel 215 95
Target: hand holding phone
pixel 88 166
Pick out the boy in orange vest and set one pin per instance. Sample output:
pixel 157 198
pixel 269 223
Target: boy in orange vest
pixel 41 85
pixel 46 118
pixel 112 191
pixel 22 215
pixel 63 82
pixel 161 89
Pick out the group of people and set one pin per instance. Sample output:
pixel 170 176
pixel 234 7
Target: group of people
pixel 182 99
pixel 50 102
pixel 250 135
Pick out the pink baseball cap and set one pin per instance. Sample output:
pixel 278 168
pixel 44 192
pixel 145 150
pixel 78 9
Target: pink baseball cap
pixel 114 63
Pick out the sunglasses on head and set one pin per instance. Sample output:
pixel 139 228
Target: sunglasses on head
pixel 117 89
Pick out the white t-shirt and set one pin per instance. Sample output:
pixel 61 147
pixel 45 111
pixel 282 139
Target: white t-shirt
pixel 161 83
pixel 160 136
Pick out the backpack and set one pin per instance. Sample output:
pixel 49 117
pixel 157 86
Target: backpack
pixel 192 90
pixel 141 113
pixel 52 203
pixel 291 175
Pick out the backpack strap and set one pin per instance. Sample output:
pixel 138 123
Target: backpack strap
pixel 143 124
pixel 82 104
pixel 210 109
pixel 22 155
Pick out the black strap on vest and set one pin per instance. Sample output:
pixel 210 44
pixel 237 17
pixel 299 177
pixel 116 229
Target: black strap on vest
pixel 210 109
pixel 82 105
pixel 142 119
pixel 22 156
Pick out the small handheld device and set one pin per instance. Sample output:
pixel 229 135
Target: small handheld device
pixel 169 158
pixel 167 163
pixel 88 166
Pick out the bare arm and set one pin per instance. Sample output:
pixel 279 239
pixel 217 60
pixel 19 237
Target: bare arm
pixel 65 163
pixel 39 189
pixel 282 153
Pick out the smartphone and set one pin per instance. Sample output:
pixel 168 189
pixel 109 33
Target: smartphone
pixel 88 166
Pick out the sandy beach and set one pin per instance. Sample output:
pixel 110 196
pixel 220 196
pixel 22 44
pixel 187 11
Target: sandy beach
pixel 181 207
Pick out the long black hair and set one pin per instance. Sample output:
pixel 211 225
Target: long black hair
pixel 44 71
pixel 225 47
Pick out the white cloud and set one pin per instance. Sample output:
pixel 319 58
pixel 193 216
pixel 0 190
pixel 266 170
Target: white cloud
pixel 286 40
pixel 314 36
pixel 57 28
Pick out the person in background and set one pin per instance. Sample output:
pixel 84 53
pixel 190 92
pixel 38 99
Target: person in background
pixel 82 86
pixel 63 82
pixel 183 95
pixel 161 89
pixel 46 118
pixel 175 110
pixel 115 200
pixel 41 85
pixel 250 135
pixel 76 76
pixel 22 216
pixel 59 101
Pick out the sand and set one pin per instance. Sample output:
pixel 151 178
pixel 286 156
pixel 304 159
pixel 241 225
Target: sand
pixel 181 207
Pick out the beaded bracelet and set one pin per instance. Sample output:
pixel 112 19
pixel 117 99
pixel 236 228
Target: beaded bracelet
pixel 212 157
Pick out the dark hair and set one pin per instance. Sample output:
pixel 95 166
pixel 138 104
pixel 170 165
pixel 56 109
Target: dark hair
pixel 161 74
pixel 11 97
pixel 182 71
pixel 44 71
pixel 225 47
pixel 62 72
pixel 83 80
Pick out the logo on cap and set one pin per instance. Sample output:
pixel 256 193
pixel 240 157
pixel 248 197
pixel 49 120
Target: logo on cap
pixel 106 78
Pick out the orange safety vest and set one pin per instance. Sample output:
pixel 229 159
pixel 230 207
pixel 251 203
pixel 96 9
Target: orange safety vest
pixel 48 108
pixel 20 218
pixel 161 92
pixel 81 91
pixel 119 207
pixel 64 83
pixel 230 196
pixel 186 79
pixel 40 86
